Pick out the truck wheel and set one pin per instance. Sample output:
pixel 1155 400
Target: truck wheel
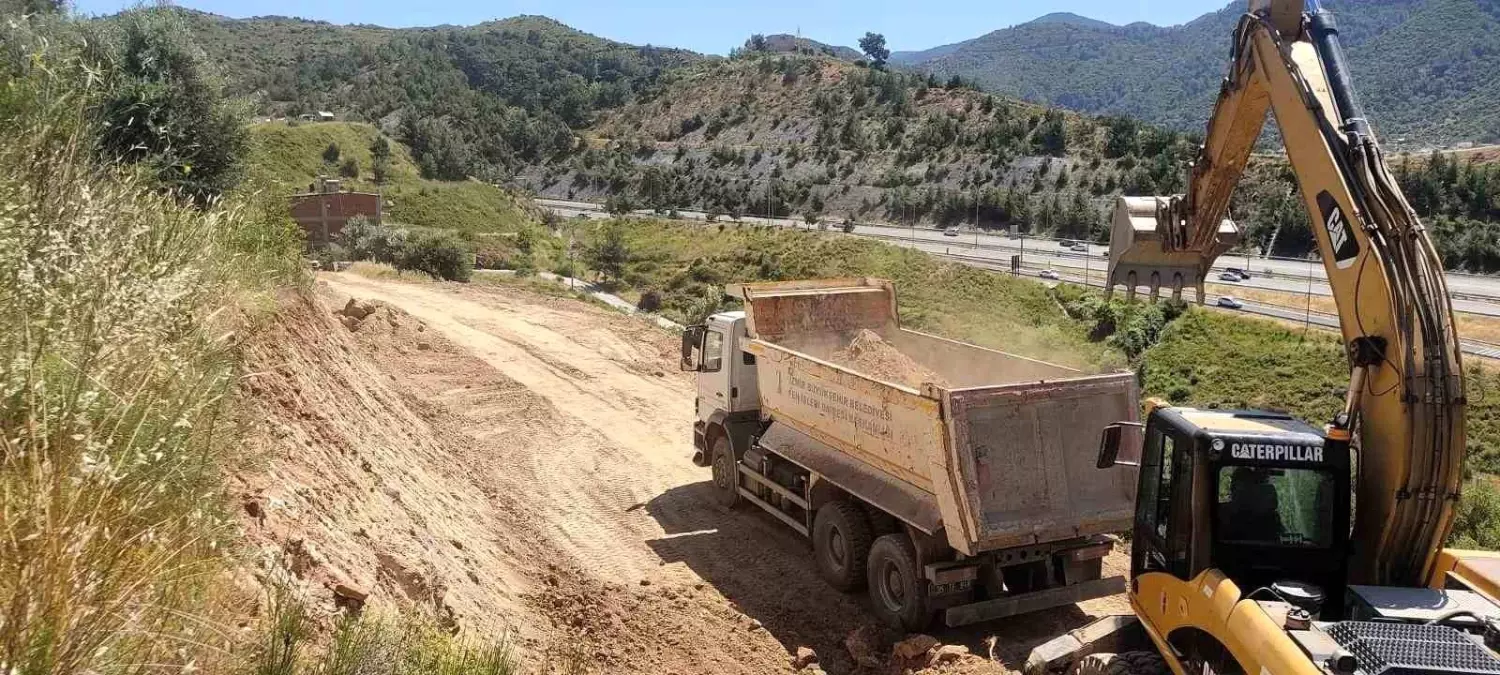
pixel 1124 663
pixel 726 473
pixel 841 544
pixel 897 589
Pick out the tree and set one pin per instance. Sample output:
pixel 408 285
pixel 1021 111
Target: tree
pixel 618 205
pixel 609 254
pixel 380 148
pixel 164 108
pixel 331 153
pixel 380 153
pixel 441 151
pixel 757 43
pixel 873 45
pixel 350 168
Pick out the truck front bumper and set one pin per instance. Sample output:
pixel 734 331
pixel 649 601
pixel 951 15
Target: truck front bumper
pixel 1030 602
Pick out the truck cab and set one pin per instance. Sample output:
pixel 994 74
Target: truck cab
pixel 728 395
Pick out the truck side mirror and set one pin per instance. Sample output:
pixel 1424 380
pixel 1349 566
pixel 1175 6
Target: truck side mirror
pixel 692 342
pixel 1120 436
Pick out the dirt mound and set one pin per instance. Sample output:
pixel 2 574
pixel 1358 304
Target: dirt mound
pixel 870 354
pixel 361 494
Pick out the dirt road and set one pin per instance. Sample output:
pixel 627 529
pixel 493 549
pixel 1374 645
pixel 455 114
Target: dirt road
pixel 576 419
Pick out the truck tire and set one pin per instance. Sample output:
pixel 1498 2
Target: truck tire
pixel 841 544
pixel 1124 663
pixel 898 591
pixel 726 473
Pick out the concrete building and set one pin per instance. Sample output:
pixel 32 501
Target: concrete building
pixel 325 209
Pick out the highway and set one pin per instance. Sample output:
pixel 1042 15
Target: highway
pixel 1472 293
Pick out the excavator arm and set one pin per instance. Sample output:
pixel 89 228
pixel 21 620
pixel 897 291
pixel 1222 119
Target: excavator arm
pixel 1404 407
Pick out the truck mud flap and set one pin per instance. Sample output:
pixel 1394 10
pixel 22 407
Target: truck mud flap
pixel 1031 602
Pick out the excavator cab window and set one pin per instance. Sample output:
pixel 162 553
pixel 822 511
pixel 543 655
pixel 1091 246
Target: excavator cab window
pixel 1275 506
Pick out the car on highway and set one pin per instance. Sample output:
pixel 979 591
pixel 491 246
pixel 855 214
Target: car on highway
pixel 1230 277
pixel 1230 303
pixel 1050 274
pixel 1066 243
pixel 1242 274
pixel 1080 248
pixel 950 233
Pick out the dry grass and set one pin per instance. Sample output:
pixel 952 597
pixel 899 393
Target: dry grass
pixel 375 270
pixel 368 645
pixel 119 314
pixel 1470 326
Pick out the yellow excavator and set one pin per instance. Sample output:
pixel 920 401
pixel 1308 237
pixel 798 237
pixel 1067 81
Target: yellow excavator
pixel 1263 545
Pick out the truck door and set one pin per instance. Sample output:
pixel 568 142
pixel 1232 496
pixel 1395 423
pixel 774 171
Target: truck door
pixel 714 371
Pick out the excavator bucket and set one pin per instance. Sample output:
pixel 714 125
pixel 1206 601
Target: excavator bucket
pixel 1148 248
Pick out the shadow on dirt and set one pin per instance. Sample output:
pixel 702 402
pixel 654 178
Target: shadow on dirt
pixel 766 570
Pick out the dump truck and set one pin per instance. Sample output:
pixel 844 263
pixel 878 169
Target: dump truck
pixel 948 479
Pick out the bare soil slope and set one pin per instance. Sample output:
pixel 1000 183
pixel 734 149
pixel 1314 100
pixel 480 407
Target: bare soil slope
pixel 506 459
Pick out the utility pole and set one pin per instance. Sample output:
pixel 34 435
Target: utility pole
pixel 1306 319
pixel 1085 263
pixel 976 222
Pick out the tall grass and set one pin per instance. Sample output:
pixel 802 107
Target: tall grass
pixel 118 320
pixel 361 645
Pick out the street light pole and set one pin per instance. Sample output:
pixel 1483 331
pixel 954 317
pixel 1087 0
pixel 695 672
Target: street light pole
pixel 976 223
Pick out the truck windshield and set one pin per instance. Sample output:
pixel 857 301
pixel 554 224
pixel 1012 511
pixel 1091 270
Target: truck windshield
pixel 1275 507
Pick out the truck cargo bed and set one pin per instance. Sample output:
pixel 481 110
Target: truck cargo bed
pixel 1004 444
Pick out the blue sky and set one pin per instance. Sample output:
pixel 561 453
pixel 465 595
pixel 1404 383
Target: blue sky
pixel 713 26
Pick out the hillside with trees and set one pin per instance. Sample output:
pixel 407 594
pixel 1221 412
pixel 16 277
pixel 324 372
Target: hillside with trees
pixel 469 101
pixel 1425 68
pixel 774 130
pixel 780 135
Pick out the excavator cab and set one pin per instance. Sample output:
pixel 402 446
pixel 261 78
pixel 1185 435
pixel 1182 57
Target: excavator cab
pixel 1260 496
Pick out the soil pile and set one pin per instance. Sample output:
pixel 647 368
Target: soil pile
pixel 870 354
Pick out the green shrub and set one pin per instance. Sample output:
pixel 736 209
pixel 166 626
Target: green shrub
pixel 438 253
pixel 1477 524
pixel 650 301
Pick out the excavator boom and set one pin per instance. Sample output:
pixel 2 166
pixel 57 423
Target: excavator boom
pixel 1404 408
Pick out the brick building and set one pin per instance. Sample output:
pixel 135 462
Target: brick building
pixel 324 209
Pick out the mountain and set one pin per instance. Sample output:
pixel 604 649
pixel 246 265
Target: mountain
pixel 1072 19
pixel 783 43
pixel 1423 67
pixel 908 58
pixel 528 102
pixel 469 101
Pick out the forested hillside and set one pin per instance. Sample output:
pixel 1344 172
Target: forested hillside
pixel 470 101
pixel 776 130
pixel 770 134
pixel 1425 68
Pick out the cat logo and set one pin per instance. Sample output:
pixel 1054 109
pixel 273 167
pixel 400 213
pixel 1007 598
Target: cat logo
pixel 1275 452
pixel 1340 236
